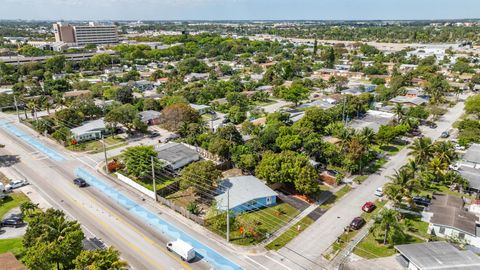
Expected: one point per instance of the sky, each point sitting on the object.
(238, 9)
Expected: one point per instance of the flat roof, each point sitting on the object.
(177, 154)
(439, 255)
(89, 126)
(471, 175)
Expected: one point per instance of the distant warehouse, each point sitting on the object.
(80, 35)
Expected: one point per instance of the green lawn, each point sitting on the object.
(444, 189)
(372, 247)
(97, 146)
(270, 221)
(416, 226)
(360, 178)
(13, 200)
(13, 245)
(291, 233)
(335, 197)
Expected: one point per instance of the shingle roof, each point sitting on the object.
(242, 189)
(448, 211)
(149, 115)
(439, 255)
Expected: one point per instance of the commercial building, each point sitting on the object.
(85, 34)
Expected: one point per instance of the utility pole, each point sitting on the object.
(228, 215)
(16, 107)
(105, 154)
(153, 178)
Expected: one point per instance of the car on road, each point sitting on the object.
(80, 182)
(15, 222)
(445, 134)
(422, 201)
(368, 207)
(357, 223)
(379, 192)
(15, 184)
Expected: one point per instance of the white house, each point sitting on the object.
(448, 218)
(90, 130)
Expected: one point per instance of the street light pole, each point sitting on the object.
(16, 107)
(153, 179)
(228, 215)
(105, 154)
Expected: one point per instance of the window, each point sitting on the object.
(252, 203)
(461, 235)
(442, 230)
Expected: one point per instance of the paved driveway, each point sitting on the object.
(306, 249)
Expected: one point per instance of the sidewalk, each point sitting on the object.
(323, 198)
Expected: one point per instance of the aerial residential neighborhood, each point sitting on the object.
(229, 135)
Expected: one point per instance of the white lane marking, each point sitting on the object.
(266, 255)
(255, 262)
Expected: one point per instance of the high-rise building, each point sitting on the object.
(85, 34)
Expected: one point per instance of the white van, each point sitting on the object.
(182, 248)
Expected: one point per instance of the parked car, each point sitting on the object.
(459, 147)
(15, 184)
(422, 201)
(357, 223)
(454, 167)
(379, 192)
(12, 222)
(182, 248)
(368, 207)
(445, 134)
(154, 135)
(80, 182)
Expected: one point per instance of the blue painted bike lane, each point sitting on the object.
(31, 141)
(209, 255)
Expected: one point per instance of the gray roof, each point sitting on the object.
(412, 100)
(149, 115)
(242, 189)
(318, 103)
(199, 106)
(448, 211)
(471, 175)
(373, 120)
(177, 155)
(473, 153)
(439, 255)
(89, 126)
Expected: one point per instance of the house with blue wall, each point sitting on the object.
(246, 193)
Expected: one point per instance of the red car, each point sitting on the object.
(368, 207)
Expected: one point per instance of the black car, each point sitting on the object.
(422, 201)
(357, 223)
(154, 135)
(12, 222)
(80, 182)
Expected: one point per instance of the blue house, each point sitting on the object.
(246, 193)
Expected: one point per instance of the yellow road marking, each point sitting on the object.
(143, 235)
(110, 229)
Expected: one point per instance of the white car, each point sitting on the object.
(15, 184)
(454, 167)
(379, 192)
(459, 147)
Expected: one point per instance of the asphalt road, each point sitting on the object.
(306, 249)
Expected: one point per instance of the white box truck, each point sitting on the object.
(182, 248)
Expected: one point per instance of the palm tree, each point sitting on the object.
(437, 167)
(388, 222)
(399, 112)
(411, 167)
(422, 150)
(368, 135)
(445, 151)
(405, 186)
(27, 208)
